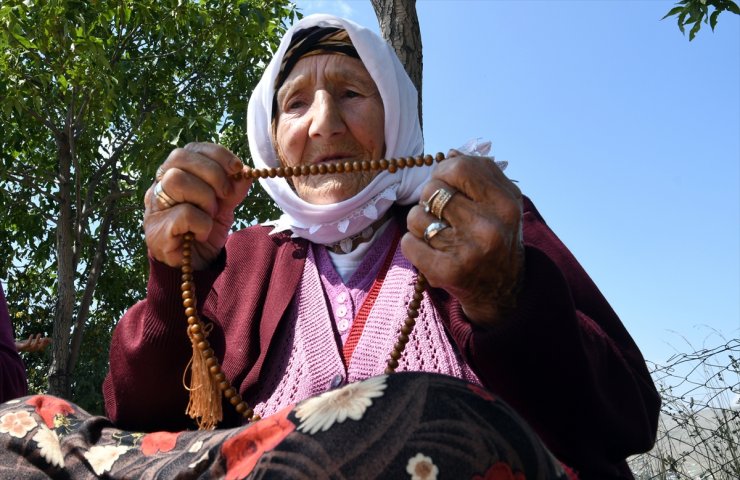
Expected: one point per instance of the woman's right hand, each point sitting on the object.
(200, 195)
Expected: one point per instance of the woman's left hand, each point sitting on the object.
(479, 258)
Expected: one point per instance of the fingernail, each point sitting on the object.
(236, 164)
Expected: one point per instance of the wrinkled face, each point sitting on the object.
(329, 109)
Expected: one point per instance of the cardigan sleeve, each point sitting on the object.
(13, 372)
(565, 362)
(149, 353)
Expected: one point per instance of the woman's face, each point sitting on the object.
(329, 109)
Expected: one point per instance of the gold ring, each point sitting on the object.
(441, 198)
(164, 200)
(160, 173)
(438, 201)
(428, 203)
(433, 229)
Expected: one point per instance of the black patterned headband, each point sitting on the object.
(314, 41)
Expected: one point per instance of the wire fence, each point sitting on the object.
(699, 429)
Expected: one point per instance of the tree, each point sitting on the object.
(93, 95)
(399, 26)
(696, 11)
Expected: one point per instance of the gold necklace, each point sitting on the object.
(207, 380)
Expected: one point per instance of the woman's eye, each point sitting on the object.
(294, 104)
(351, 94)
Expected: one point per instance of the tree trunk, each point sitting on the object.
(399, 26)
(59, 374)
(92, 281)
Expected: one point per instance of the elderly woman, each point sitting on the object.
(317, 298)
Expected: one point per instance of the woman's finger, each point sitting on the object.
(213, 164)
(163, 231)
(180, 186)
(477, 177)
(439, 266)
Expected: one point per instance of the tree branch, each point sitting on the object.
(26, 180)
(72, 142)
(45, 122)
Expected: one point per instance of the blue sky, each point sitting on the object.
(624, 134)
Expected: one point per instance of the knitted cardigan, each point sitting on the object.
(561, 358)
(310, 357)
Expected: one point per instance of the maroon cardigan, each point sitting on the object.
(563, 359)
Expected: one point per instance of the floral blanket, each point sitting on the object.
(404, 426)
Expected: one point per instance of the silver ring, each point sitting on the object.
(164, 200)
(433, 229)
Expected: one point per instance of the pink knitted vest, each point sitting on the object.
(306, 359)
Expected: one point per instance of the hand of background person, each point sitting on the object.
(200, 195)
(34, 343)
(479, 258)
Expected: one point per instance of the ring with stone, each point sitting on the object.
(433, 229)
(164, 200)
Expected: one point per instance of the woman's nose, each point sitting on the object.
(326, 118)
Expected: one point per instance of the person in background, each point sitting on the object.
(13, 382)
(315, 300)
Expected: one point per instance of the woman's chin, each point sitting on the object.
(325, 198)
(328, 193)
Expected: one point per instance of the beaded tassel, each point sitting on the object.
(204, 405)
(205, 398)
(207, 381)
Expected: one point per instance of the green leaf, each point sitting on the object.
(713, 19)
(673, 11)
(176, 139)
(26, 43)
(695, 29)
(682, 21)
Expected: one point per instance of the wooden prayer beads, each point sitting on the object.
(392, 165)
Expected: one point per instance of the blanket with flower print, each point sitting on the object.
(413, 426)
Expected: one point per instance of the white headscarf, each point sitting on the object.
(403, 137)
